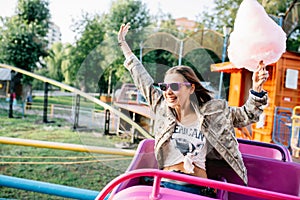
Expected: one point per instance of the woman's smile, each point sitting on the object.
(171, 97)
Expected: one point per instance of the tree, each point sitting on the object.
(23, 35)
(123, 11)
(23, 42)
(224, 12)
(96, 58)
(65, 64)
(57, 62)
(84, 56)
(276, 7)
(35, 13)
(54, 61)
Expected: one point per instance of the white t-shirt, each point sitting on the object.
(187, 145)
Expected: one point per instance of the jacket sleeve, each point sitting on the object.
(249, 112)
(143, 81)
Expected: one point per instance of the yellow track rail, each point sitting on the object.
(85, 95)
(66, 146)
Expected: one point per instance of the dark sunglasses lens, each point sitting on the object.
(163, 87)
(174, 86)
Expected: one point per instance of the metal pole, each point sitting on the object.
(76, 114)
(11, 92)
(180, 52)
(281, 18)
(141, 52)
(106, 122)
(46, 89)
(109, 82)
(10, 111)
(223, 60)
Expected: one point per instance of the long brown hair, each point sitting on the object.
(202, 95)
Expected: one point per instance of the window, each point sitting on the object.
(291, 79)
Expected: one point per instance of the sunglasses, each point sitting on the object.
(173, 86)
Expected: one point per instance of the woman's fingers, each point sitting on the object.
(123, 31)
(126, 28)
(260, 76)
(261, 66)
(258, 70)
(263, 75)
(120, 35)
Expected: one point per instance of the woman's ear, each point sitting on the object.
(192, 88)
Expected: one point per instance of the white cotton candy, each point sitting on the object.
(188, 163)
(256, 37)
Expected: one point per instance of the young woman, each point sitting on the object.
(190, 125)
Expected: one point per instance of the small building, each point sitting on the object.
(5, 78)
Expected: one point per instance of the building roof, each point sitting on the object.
(5, 74)
(185, 24)
(226, 67)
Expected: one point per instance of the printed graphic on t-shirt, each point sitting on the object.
(188, 140)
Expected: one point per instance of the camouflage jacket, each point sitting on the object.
(217, 118)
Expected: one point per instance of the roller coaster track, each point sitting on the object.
(85, 95)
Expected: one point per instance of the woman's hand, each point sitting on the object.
(122, 32)
(259, 77)
(122, 42)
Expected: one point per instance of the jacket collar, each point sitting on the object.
(211, 107)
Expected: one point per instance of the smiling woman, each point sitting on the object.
(190, 125)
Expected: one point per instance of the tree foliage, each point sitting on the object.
(95, 57)
(224, 12)
(56, 61)
(132, 11)
(35, 12)
(23, 42)
(84, 56)
(123, 11)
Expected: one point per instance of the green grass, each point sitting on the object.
(66, 101)
(76, 169)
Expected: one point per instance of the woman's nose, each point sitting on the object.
(169, 90)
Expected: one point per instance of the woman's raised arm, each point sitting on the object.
(122, 41)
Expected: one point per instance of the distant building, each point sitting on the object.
(5, 77)
(184, 24)
(53, 35)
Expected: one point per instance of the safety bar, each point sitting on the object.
(268, 145)
(159, 174)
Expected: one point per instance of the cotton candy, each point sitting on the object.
(255, 37)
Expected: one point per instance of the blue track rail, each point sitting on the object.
(47, 188)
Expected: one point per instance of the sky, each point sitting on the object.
(64, 11)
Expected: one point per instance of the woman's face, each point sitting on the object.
(180, 97)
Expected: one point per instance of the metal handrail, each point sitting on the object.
(159, 174)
